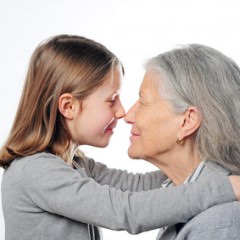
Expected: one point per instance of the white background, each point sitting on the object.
(133, 29)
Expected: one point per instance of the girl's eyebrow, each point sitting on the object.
(113, 95)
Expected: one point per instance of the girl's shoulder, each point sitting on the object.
(37, 158)
(34, 163)
(37, 169)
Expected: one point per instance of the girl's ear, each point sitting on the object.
(191, 121)
(67, 105)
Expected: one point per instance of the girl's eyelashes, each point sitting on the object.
(112, 100)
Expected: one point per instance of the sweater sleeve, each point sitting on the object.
(57, 188)
(121, 179)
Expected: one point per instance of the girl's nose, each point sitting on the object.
(120, 113)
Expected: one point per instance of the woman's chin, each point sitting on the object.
(132, 153)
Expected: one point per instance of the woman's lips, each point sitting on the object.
(134, 135)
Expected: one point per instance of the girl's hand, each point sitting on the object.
(235, 181)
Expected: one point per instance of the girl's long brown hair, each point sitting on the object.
(62, 64)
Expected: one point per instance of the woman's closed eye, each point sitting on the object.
(141, 101)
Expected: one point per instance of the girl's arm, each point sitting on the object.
(120, 179)
(55, 187)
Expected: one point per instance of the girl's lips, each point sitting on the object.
(109, 131)
(110, 127)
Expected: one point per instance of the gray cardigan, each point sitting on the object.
(221, 222)
(44, 198)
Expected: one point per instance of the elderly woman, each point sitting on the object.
(187, 120)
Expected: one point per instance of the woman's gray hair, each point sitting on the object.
(197, 75)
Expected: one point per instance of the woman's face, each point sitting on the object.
(154, 123)
(99, 112)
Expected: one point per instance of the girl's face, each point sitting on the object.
(98, 113)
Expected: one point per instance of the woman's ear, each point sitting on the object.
(191, 121)
(67, 105)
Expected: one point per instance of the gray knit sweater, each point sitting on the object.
(44, 198)
(221, 222)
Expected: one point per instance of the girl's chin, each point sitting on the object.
(103, 143)
(99, 144)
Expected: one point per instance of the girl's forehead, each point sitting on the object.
(110, 87)
(113, 79)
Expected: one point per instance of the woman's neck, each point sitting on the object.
(177, 167)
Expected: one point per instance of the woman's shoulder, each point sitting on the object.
(224, 218)
(219, 214)
(214, 166)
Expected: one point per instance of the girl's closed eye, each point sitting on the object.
(112, 100)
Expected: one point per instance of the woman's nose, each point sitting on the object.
(130, 115)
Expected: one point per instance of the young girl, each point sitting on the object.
(50, 190)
